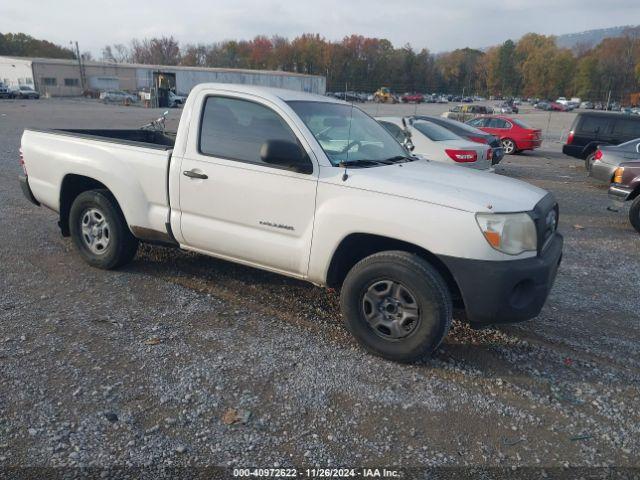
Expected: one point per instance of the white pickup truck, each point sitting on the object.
(313, 188)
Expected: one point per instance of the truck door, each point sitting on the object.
(233, 205)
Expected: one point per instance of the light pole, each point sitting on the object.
(80, 66)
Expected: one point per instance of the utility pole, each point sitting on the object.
(83, 81)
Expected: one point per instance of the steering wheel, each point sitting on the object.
(350, 145)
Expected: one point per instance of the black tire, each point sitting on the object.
(588, 162)
(634, 214)
(121, 245)
(420, 280)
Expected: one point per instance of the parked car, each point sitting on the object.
(590, 129)
(25, 91)
(507, 108)
(625, 187)
(462, 113)
(117, 96)
(412, 98)
(438, 144)
(175, 100)
(469, 133)
(558, 107)
(349, 96)
(609, 157)
(254, 174)
(587, 105)
(543, 105)
(515, 135)
(5, 92)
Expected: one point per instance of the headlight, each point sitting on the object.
(511, 233)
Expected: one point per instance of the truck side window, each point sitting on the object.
(236, 129)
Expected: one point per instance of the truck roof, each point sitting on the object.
(267, 92)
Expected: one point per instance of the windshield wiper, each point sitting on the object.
(362, 163)
(399, 158)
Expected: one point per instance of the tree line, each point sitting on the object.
(533, 66)
(23, 45)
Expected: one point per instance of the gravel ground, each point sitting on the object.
(180, 359)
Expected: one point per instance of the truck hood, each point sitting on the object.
(448, 185)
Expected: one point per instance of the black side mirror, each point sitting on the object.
(284, 153)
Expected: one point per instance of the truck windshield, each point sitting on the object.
(347, 134)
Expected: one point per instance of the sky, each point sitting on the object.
(441, 25)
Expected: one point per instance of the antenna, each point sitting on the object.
(345, 175)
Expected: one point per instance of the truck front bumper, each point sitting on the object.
(26, 189)
(506, 291)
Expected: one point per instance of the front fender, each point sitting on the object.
(441, 230)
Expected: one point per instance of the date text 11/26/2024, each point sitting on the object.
(317, 472)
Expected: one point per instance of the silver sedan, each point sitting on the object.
(609, 157)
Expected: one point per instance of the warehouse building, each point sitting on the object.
(61, 77)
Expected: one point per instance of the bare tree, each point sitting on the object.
(161, 51)
(117, 53)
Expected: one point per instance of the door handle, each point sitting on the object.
(193, 174)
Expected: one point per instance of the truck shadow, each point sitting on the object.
(515, 352)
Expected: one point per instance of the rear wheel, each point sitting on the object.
(396, 305)
(509, 146)
(99, 230)
(634, 214)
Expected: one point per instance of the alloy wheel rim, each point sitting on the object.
(96, 231)
(508, 146)
(390, 309)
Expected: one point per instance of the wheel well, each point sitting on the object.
(357, 246)
(635, 194)
(590, 148)
(72, 186)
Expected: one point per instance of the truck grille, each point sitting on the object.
(546, 215)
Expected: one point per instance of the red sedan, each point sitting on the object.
(515, 135)
(412, 98)
(559, 107)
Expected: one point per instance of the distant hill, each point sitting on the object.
(591, 38)
(23, 45)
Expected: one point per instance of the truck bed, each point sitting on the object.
(136, 137)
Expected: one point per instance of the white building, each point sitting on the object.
(61, 77)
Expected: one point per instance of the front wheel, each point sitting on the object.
(99, 230)
(634, 214)
(509, 146)
(396, 305)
